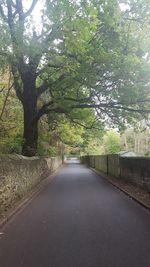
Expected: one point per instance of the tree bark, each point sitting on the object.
(30, 135)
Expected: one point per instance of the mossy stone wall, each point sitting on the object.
(18, 175)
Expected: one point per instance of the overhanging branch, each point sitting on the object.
(112, 106)
(49, 107)
(84, 126)
(44, 109)
(46, 84)
(43, 88)
(26, 14)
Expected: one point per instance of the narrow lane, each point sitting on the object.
(79, 220)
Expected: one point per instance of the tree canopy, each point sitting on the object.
(80, 55)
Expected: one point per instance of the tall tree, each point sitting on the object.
(82, 55)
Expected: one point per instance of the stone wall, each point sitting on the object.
(18, 175)
(134, 169)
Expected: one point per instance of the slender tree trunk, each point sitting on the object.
(30, 136)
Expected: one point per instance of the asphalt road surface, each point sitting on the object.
(78, 220)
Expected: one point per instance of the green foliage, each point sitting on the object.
(112, 142)
(14, 144)
(52, 151)
(11, 145)
(70, 134)
(92, 147)
(11, 121)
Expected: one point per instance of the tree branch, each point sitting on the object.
(111, 105)
(19, 10)
(26, 14)
(81, 100)
(43, 110)
(46, 84)
(140, 20)
(41, 89)
(16, 83)
(84, 126)
(2, 89)
(11, 24)
(6, 98)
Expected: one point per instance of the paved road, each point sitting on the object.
(79, 220)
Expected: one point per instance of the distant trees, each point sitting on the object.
(11, 117)
(112, 142)
(85, 54)
(137, 141)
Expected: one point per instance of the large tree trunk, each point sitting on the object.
(30, 136)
